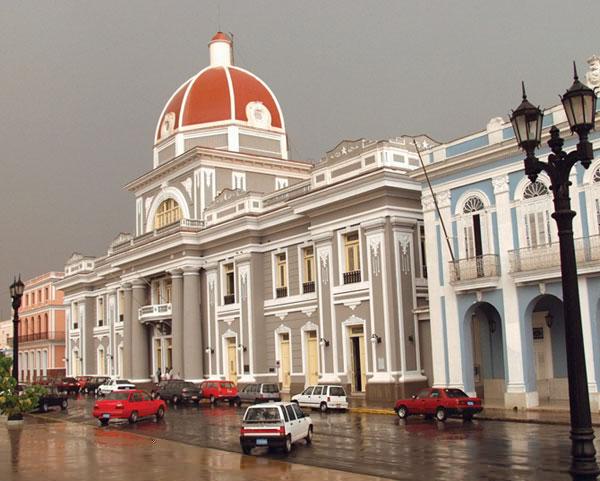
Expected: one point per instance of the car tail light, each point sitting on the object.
(328, 399)
(96, 406)
(282, 430)
(119, 406)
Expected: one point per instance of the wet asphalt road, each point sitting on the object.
(377, 445)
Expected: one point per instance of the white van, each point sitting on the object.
(323, 397)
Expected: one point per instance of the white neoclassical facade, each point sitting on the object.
(496, 310)
(249, 266)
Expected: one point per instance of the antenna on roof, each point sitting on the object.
(437, 208)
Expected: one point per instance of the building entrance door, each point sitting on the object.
(284, 353)
(231, 360)
(162, 355)
(358, 358)
(312, 358)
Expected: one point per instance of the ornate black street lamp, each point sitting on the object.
(579, 103)
(16, 293)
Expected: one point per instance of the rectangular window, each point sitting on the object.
(228, 271)
(168, 291)
(281, 275)
(100, 311)
(238, 180)
(537, 228)
(308, 270)
(75, 316)
(423, 258)
(469, 239)
(281, 183)
(156, 297)
(352, 258)
(121, 306)
(598, 214)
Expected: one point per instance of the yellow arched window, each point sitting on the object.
(167, 213)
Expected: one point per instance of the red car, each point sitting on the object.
(130, 405)
(220, 391)
(441, 403)
(68, 385)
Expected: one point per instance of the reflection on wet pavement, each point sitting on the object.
(369, 444)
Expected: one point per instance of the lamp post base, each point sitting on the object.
(583, 466)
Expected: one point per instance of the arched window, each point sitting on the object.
(472, 228)
(472, 204)
(535, 189)
(167, 213)
(537, 214)
(596, 177)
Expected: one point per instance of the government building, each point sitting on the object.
(251, 266)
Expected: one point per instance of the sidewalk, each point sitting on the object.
(556, 414)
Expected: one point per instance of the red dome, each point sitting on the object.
(219, 94)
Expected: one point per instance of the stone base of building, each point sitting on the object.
(521, 400)
(388, 393)
(56, 373)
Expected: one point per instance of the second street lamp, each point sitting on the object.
(580, 106)
(16, 293)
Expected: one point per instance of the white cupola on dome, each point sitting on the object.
(221, 107)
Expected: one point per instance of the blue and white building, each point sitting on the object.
(496, 311)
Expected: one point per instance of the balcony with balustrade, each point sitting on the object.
(475, 272)
(54, 336)
(155, 312)
(546, 257)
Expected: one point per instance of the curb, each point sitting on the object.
(480, 417)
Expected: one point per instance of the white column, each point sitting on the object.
(438, 342)
(589, 328)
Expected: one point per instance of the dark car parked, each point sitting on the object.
(176, 391)
(94, 382)
(70, 385)
(260, 392)
(53, 397)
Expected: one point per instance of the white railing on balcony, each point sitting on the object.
(475, 268)
(547, 256)
(155, 311)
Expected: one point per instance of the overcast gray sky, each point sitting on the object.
(83, 83)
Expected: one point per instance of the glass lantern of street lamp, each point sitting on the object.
(579, 103)
(527, 121)
(17, 288)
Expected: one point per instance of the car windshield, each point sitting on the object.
(454, 393)
(117, 396)
(262, 415)
(336, 391)
(270, 388)
(227, 385)
(122, 381)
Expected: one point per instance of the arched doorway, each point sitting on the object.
(484, 353)
(549, 348)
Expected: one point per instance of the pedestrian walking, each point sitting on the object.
(158, 373)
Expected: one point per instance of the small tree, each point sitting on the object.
(14, 401)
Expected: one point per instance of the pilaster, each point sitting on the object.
(140, 370)
(177, 319)
(127, 333)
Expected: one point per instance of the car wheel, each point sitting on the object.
(287, 447)
(133, 417)
(175, 399)
(402, 412)
(441, 415)
(103, 422)
(213, 400)
(323, 407)
(64, 404)
(45, 407)
(309, 435)
(468, 416)
(246, 449)
(160, 413)
(237, 402)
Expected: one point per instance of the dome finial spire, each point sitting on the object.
(220, 49)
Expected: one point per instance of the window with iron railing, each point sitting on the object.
(281, 274)
(352, 273)
(308, 284)
(228, 271)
